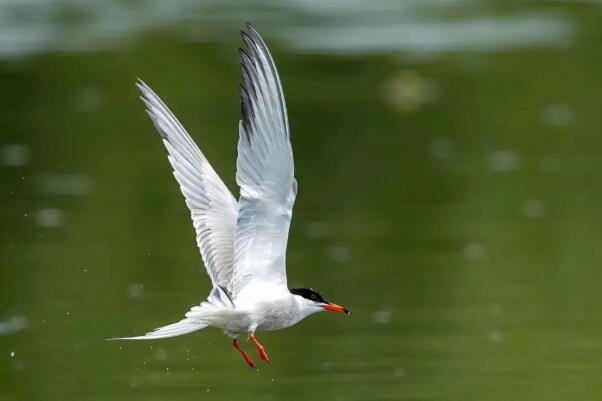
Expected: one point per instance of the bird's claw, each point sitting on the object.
(262, 354)
(264, 357)
(246, 357)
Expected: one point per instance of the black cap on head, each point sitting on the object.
(310, 294)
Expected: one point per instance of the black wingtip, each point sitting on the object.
(250, 27)
(252, 34)
(247, 39)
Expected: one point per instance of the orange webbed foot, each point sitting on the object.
(248, 360)
(262, 354)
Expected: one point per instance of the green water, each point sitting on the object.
(452, 201)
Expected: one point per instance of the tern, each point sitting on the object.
(242, 244)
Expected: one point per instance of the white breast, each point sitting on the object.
(269, 307)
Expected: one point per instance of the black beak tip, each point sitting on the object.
(348, 312)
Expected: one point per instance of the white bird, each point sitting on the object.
(242, 244)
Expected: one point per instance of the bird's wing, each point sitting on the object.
(264, 171)
(212, 207)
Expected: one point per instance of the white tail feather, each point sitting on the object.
(182, 327)
(216, 311)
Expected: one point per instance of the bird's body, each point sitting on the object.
(264, 308)
(243, 243)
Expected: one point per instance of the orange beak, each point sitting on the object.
(336, 308)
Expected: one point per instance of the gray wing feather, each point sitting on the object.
(213, 209)
(265, 170)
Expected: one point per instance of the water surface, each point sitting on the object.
(448, 157)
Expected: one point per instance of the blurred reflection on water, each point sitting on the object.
(448, 156)
(332, 26)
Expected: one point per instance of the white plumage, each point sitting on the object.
(243, 244)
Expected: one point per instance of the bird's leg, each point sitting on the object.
(260, 349)
(248, 360)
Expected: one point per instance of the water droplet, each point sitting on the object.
(160, 354)
(550, 164)
(327, 365)
(136, 290)
(13, 325)
(382, 317)
(557, 115)
(496, 310)
(441, 149)
(49, 217)
(15, 155)
(473, 250)
(86, 99)
(496, 336)
(317, 229)
(533, 208)
(504, 160)
(340, 254)
(66, 184)
(409, 91)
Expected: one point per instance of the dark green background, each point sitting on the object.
(451, 198)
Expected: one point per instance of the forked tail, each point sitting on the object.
(217, 307)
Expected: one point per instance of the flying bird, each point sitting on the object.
(242, 243)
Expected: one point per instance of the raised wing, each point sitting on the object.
(212, 207)
(264, 171)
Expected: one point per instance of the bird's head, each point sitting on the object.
(312, 301)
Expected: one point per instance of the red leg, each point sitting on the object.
(248, 360)
(260, 348)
